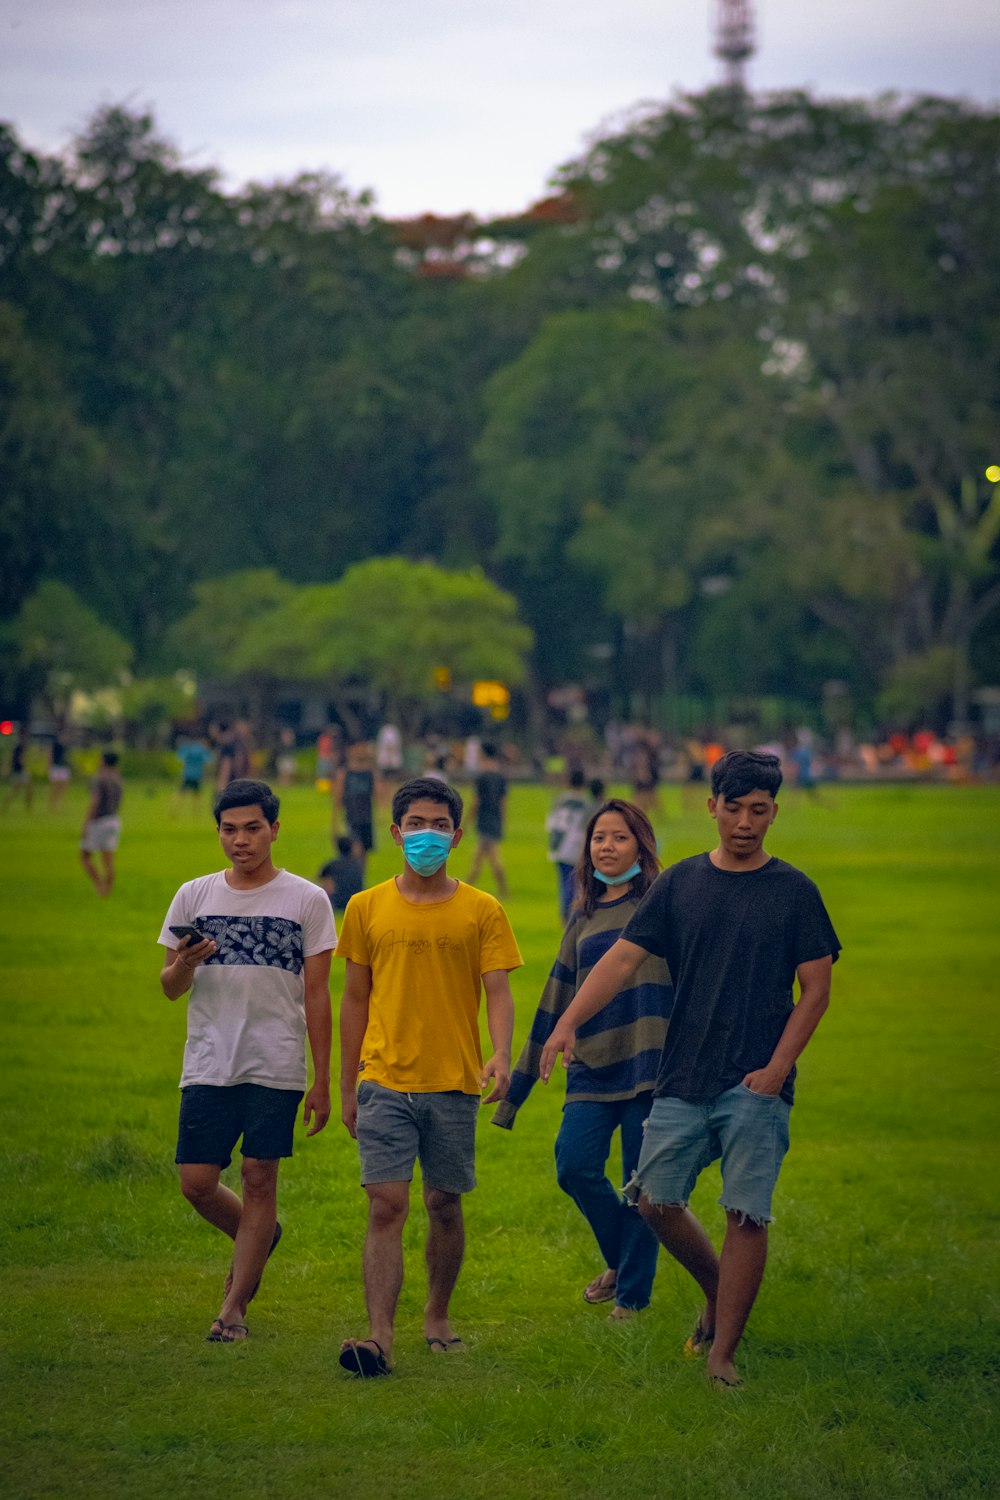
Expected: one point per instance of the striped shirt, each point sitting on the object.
(617, 1052)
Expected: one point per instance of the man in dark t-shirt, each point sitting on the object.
(342, 877)
(491, 795)
(234, 754)
(353, 791)
(737, 928)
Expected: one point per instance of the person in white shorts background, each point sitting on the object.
(102, 825)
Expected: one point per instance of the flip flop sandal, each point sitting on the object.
(604, 1293)
(447, 1346)
(363, 1362)
(700, 1342)
(234, 1328)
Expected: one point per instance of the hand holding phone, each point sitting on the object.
(192, 939)
(185, 930)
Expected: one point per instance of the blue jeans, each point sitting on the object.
(583, 1144)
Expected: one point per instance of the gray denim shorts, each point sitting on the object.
(438, 1130)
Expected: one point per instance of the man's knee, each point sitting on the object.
(388, 1204)
(259, 1179)
(198, 1182)
(445, 1208)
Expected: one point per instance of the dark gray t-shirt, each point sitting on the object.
(732, 942)
(107, 788)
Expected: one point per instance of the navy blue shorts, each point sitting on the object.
(213, 1119)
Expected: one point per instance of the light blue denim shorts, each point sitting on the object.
(395, 1130)
(747, 1132)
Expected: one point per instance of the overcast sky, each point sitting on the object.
(445, 105)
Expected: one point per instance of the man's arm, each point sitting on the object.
(353, 1025)
(500, 1024)
(319, 1028)
(177, 974)
(609, 975)
(814, 997)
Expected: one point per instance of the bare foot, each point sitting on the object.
(235, 1333)
(723, 1374)
(620, 1314)
(441, 1337)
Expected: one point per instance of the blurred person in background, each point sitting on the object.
(19, 782)
(59, 772)
(102, 825)
(566, 826)
(488, 811)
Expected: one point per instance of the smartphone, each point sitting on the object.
(189, 932)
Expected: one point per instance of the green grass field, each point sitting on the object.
(871, 1358)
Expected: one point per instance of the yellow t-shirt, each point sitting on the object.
(427, 963)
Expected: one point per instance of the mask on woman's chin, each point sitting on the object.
(619, 879)
(426, 850)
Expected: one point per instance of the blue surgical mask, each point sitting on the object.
(426, 851)
(619, 879)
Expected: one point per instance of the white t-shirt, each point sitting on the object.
(389, 748)
(566, 825)
(246, 1009)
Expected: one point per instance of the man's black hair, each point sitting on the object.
(110, 757)
(246, 793)
(490, 750)
(577, 778)
(344, 846)
(744, 771)
(426, 789)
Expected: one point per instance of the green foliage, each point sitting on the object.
(918, 687)
(150, 705)
(390, 623)
(728, 394)
(854, 244)
(209, 639)
(61, 641)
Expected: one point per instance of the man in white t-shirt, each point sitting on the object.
(252, 944)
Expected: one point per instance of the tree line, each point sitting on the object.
(711, 422)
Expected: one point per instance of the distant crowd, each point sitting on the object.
(359, 773)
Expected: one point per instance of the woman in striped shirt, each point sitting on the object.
(610, 1077)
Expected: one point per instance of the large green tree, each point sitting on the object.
(391, 624)
(854, 246)
(62, 646)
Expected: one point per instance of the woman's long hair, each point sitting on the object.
(588, 889)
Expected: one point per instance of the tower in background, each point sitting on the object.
(734, 40)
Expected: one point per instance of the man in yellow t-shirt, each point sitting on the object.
(420, 949)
